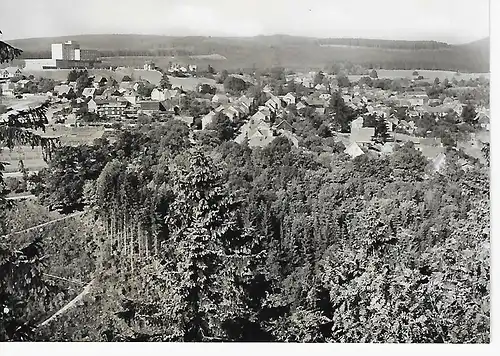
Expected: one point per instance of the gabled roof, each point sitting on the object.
(88, 91)
(12, 70)
(151, 106)
(300, 105)
(62, 89)
(258, 116)
(220, 97)
(111, 103)
(430, 152)
(284, 125)
(354, 150)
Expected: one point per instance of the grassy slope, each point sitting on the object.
(287, 51)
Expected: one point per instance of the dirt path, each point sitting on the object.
(70, 305)
(20, 197)
(45, 224)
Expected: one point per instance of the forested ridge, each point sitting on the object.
(289, 51)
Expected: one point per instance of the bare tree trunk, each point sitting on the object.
(146, 241)
(131, 248)
(139, 241)
(124, 232)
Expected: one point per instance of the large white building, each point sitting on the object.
(64, 56)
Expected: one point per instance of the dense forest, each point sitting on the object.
(390, 44)
(213, 241)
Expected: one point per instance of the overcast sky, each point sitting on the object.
(452, 21)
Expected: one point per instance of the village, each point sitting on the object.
(88, 106)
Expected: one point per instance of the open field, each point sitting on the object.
(32, 158)
(427, 74)
(152, 76)
(25, 102)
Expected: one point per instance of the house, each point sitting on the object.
(149, 65)
(320, 87)
(242, 107)
(315, 102)
(23, 83)
(164, 94)
(111, 108)
(483, 119)
(135, 86)
(159, 94)
(220, 99)
(354, 150)
(207, 119)
(229, 110)
(439, 162)
(92, 106)
(125, 85)
(110, 93)
(88, 92)
(387, 148)
(245, 100)
(289, 98)
(362, 135)
(10, 72)
(7, 88)
(188, 120)
(259, 115)
(62, 89)
(257, 132)
(430, 152)
(301, 106)
(151, 107)
(72, 85)
(357, 123)
(320, 111)
(100, 80)
(284, 125)
(273, 103)
(131, 96)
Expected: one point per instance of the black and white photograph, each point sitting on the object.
(245, 171)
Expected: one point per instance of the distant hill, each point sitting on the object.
(280, 50)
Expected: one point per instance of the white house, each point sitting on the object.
(88, 92)
(10, 72)
(289, 99)
(92, 106)
(354, 150)
(357, 124)
(207, 119)
(220, 99)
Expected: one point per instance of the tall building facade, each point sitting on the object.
(66, 51)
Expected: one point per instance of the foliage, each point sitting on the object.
(234, 84)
